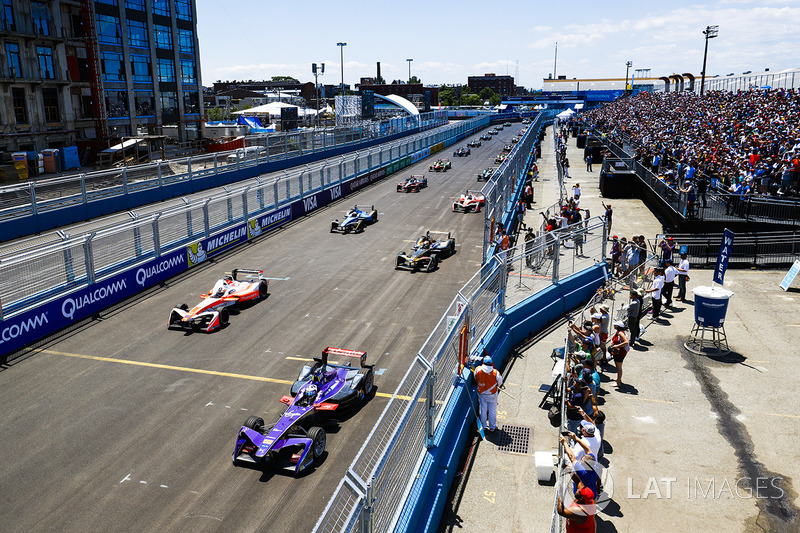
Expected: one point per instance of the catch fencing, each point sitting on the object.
(376, 487)
(502, 190)
(37, 197)
(201, 229)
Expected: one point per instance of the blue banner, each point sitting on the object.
(200, 251)
(27, 327)
(725, 250)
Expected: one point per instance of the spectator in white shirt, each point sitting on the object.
(683, 277)
(670, 272)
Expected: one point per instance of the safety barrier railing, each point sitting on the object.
(46, 194)
(30, 278)
(506, 182)
(748, 249)
(615, 295)
(376, 486)
(719, 204)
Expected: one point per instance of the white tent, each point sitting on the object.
(566, 113)
(274, 108)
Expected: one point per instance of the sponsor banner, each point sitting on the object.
(362, 181)
(198, 252)
(438, 147)
(27, 327)
(271, 220)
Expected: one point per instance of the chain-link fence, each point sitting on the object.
(30, 278)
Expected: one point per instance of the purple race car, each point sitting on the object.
(293, 442)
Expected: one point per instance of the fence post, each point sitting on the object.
(206, 221)
(35, 207)
(501, 296)
(244, 203)
(605, 240)
(369, 501)
(431, 407)
(156, 236)
(88, 258)
(556, 251)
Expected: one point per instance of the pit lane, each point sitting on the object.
(124, 425)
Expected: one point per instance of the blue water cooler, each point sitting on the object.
(708, 332)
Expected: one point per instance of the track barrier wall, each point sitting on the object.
(48, 289)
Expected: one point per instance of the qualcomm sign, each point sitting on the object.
(27, 327)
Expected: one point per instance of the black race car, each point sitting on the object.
(474, 143)
(486, 137)
(461, 152)
(427, 252)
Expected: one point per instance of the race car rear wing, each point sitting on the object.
(418, 176)
(476, 193)
(365, 207)
(330, 350)
(248, 273)
(438, 233)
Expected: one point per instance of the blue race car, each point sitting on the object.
(294, 442)
(356, 219)
(427, 252)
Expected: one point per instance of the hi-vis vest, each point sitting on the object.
(504, 242)
(487, 383)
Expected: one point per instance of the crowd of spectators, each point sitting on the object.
(744, 143)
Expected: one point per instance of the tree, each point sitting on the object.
(414, 79)
(215, 114)
(285, 78)
(447, 96)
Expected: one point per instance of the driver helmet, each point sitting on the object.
(311, 392)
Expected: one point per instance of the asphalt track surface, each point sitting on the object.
(123, 425)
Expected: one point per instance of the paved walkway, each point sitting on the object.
(694, 443)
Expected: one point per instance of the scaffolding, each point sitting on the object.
(348, 110)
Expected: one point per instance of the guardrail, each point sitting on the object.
(48, 288)
(748, 250)
(51, 202)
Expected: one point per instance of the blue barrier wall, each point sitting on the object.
(425, 505)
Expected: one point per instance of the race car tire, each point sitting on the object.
(333, 226)
(397, 262)
(318, 440)
(367, 381)
(224, 317)
(263, 289)
(360, 226)
(182, 307)
(374, 216)
(451, 247)
(254, 422)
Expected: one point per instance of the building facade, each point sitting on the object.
(502, 85)
(87, 73)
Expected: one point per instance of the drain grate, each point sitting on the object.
(514, 439)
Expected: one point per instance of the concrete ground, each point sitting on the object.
(693, 443)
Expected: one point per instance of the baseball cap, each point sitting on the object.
(598, 316)
(670, 239)
(588, 427)
(587, 495)
(619, 324)
(615, 237)
(487, 361)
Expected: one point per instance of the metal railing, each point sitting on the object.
(748, 249)
(372, 494)
(35, 197)
(35, 276)
(719, 205)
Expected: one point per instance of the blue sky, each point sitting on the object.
(252, 39)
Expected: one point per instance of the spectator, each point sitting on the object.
(589, 162)
(580, 513)
(670, 272)
(655, 292)
(683, 277)
(530, 239)
(607, 215)
(576, 191)
(616, 255)
(667, 249)
(565, 166)
(489, 381)
(634, 315)
(619, 349)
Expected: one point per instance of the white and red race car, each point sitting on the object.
(212, 312)
(470, 201)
